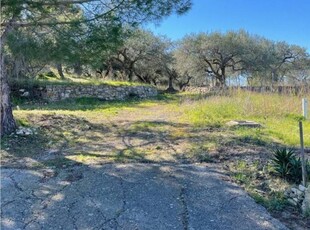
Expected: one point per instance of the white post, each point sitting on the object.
(305, 108)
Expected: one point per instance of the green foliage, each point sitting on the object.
(22, 122)
(287, 165)
(256, 182)
(273, 202)
(281, 160)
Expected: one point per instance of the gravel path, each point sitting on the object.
(128, 196)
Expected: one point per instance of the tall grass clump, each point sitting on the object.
(279, 114)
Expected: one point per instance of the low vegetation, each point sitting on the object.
(68, 81)
(186, 128)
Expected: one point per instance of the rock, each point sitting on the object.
(302, 188)
(296, 200)
(56, 93)
(305, 207)
(297, 192)
(292, 202)
(25, 94)
(250, 124)
(22, 131)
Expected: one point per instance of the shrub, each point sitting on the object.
(287, 165)
(281, 161)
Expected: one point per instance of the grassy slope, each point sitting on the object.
(279, 114)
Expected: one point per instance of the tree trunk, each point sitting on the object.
(8, 124)
(60, 71)
(170, 85)
(223, 77)
(78, 69)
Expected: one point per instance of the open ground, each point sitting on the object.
(170, 131)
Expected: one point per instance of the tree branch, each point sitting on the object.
(38, 23)
(47, 3)
(211, 67)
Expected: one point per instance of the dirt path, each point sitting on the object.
(152, 133)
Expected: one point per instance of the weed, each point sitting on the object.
(272, 202)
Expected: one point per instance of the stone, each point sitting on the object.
(25, 94)
(239, 123)
(56, 93)
(302, 188)
(296, 200)
(292, 202)
(294, 190)
(22, 131)
(305, 207)
(299, 193)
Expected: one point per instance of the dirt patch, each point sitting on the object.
(148, 134)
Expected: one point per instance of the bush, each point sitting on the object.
(287, 165)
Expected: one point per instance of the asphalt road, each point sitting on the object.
(128, 196)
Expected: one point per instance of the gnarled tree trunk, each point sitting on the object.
(60, 71)
(8, 124)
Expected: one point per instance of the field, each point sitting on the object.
(170, 128)
(174, 128)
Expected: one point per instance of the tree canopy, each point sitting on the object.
(94, 26)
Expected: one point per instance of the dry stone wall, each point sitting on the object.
(299, 196)
(104, 92)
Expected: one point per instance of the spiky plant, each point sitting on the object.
(281, 161)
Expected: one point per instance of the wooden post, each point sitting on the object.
(303, 165)
(305, 108)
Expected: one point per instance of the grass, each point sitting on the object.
(184, 116)
(179, 128)
(258, 181)
(279, 114)
(68, 81)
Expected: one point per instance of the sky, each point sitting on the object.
(278, 20)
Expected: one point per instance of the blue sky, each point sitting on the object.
(279, 20)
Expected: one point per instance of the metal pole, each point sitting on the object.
(303, 165)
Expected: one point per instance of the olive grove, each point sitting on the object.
(49, 23)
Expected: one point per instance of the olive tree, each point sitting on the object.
(18, 14)
(218, 55)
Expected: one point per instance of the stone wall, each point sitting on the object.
(104, 92)
(299, 196)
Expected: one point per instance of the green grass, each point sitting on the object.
(279, 114)
(26, 83)
(258, 182)
(178, 126)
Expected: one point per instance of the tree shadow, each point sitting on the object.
(127, 196)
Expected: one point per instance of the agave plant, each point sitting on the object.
(295, 173)
(288, 166)
(282, 161)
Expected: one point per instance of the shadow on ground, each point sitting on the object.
(65, 140)
(128, 196)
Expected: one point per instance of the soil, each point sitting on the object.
(151, 134)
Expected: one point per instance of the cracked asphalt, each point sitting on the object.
(128, 196)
